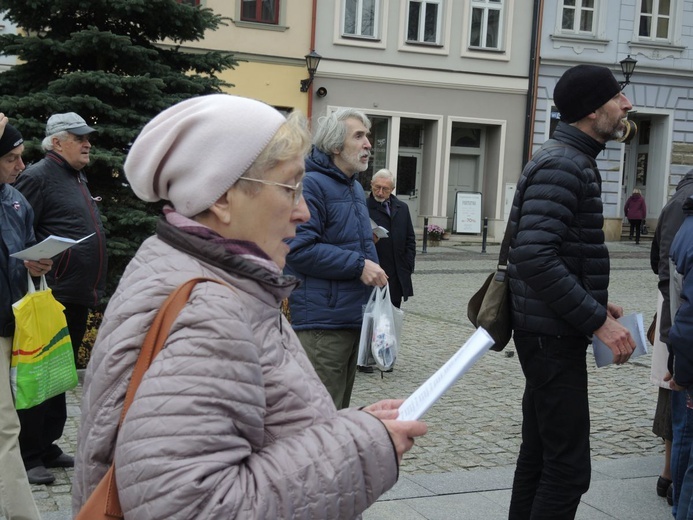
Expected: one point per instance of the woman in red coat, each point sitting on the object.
(636, 210)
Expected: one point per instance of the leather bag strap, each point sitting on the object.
(153, 344)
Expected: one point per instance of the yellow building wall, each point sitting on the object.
(271, 58)
(275, 84)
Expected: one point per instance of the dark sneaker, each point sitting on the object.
(40, 475)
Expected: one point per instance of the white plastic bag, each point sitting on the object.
(386, 332)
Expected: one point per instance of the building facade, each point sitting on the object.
(269, 39)
(659, 35)
(445, 84)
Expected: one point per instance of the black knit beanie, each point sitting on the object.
(582, 90)
(11, 139)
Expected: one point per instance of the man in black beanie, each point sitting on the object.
(16, 234)
(559, 277)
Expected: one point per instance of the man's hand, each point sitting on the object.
(373, 274)
(38, 267)
(615, 311)
(617, 338)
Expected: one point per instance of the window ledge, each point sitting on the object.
(261, 26)
(657, 50)
(579, 42)
(359, 38)
(423, 44)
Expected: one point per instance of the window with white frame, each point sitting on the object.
(424, 21)
(361, 18)
(486, 24)
(654, 20)
(579, 16)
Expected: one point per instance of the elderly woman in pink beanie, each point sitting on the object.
(230, 420)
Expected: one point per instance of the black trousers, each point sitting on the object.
(553, 468)
(635, 225)
(43, 425)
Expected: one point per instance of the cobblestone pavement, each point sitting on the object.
(476, 424)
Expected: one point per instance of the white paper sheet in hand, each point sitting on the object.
(435, 386)
(633, 322)
(48, 248)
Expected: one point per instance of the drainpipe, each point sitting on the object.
(309, 112)
(534, 63)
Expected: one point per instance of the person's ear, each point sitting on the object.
(221, 209)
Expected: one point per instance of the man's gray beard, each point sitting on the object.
(611, 134)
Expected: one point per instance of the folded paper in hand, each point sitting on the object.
(435, 386)
(633, 322)
(379, 231)
(47, 248)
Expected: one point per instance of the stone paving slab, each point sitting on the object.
(476, 424)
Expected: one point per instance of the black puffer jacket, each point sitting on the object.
(558, 263)
(63, 206)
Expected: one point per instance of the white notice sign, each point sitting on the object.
(467, 212)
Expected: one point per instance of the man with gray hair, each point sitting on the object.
(397, 251)
(333, 253)
(56, 188)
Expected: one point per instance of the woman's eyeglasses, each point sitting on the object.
(296, 191)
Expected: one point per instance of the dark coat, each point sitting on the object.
(635, 207)
(681, 330)
(63, 206)
(329, 251)
(398, 251)
(668, 224)
(558, 263)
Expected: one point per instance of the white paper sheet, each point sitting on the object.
(47, 248)
(435, 386)
(633, 322)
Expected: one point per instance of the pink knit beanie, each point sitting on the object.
(193, 152)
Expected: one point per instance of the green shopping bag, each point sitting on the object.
(43, 364)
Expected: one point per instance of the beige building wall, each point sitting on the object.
(271, 57)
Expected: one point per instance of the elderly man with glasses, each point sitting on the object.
(398, 250)
(56, 188)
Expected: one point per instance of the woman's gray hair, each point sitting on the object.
(47, 143)
(384, 173)
(331, 132)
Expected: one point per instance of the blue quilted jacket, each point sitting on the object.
(329, 251)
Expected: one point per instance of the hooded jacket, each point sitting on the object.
(63, 206)
(558, 262)
(230, 420)
(329, 251)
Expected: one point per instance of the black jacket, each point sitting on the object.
(397, 252)
(63, 206)
(558, 263)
